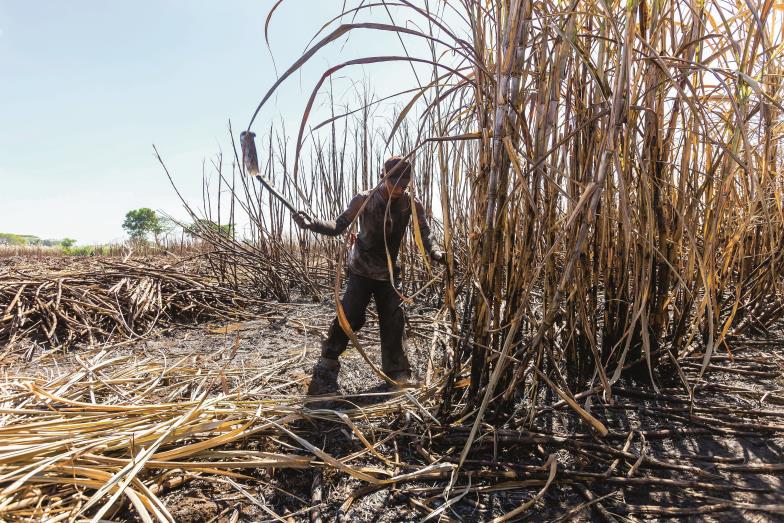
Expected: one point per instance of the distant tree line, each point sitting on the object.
(27, 239)
(140, 224)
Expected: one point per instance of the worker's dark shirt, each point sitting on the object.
(382, 226)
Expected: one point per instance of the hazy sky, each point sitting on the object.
(88, 86)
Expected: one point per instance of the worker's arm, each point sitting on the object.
(331, 227)
(426, 235)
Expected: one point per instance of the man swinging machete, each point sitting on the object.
(384, 213)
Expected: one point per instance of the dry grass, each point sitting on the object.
(27, 251)
(94, 301)
(111, 436)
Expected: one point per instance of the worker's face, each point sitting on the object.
(397, 188)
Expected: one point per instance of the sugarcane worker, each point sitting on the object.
(384, 213)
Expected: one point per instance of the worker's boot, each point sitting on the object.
(402, 379)
(325, 377)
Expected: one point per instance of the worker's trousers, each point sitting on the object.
(391, 320)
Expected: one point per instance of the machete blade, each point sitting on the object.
(249, 157)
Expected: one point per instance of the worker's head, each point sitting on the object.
(397, 176)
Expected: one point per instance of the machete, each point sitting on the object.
(251, 162)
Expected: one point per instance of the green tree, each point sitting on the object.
(67, 243)
(139, 223)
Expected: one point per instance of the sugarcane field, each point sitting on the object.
(392, 260)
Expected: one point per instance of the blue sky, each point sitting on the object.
(88, 86)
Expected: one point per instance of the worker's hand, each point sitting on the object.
(438, 257)
(302, 219)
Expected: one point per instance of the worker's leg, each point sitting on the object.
(355, 300)
(391, 320)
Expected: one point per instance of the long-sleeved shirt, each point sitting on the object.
(368, 257)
